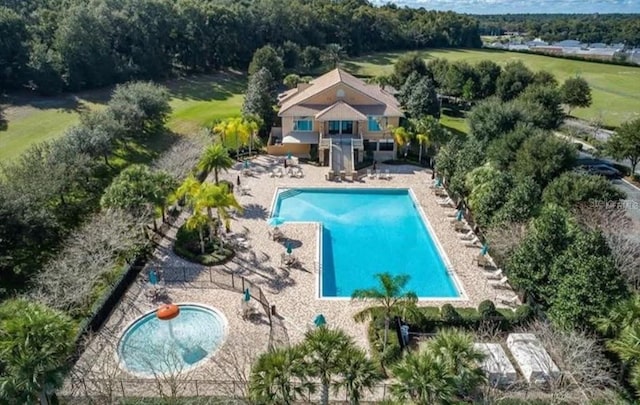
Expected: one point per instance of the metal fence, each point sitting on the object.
(88, 390)
(206, 277)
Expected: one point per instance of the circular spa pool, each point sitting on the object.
(153, 346)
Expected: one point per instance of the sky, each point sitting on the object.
(523, 6)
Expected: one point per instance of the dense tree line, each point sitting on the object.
(590, 28)
(52, 46)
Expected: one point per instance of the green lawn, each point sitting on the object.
(196, 101)
(615, 89)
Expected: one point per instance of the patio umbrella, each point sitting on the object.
(275, 221)
(459, 215)
(319, 321)
(245, 164)
(484, 250)
(289, 155)
(247, 295)
(289, 249)
(153, 277)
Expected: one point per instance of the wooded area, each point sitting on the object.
(51, 46)
(589, 28)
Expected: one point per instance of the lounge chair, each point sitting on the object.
(440, 192)
(502, 283)
(276, 234)
(494, 275)
(249, 310)
(509, 301)
(370, 174)
(447, 202)
(387, 174)
(484, 261)
(460, 226)
(299, 173)
(247, 172)
(272, 174)
(377, 174)
(475, 242)
(290, 172)
(288, 260)
(244, 190)
(343, 175)
(329, 175)
(468, 236)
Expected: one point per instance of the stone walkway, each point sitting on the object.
(292, 291)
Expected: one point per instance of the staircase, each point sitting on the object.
(337, 158)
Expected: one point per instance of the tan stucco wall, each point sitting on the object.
(296, 149)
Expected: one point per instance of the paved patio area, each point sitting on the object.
(292, 291)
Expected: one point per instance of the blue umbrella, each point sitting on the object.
(153, 277)
(246, 164)
(438, 182)
(275, 221)
(459, 215)
(320, 321)
(247, 295)
(484, 250)
(289, 155)
(289, 249)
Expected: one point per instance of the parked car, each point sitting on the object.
(601, 170)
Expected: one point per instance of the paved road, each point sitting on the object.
(600, 133)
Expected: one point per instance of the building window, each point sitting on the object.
(334, 127)
(371, 146)
(302, 124)
(347, 127)
(386, 145)
(374, 125)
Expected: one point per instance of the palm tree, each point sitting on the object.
(422, 133)
(253, 124)
(390, 295)
(324, 350)
(358, 373)
(460, 358)
(402, 137)
(215, 157)
(278, 377)
(423, 378)
(188, 191)
(35, 342)
(218, 198)
(198, 221)
(622, 315)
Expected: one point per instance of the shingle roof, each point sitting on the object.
(340, 76)
(340, 111)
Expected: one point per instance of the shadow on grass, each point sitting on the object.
(143, 151)
(219, 86)
(68, 102)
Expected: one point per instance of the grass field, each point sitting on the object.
(196, 101)
(615, 89)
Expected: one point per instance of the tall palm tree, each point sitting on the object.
(621, 316)
(402, 137)
(278, 377)
(424, 379)
(422, 133)
(188, 191)
(324, 349)
(358, 373)
(218, 198)
(461, 359)
(253, 124)
(216, 158)
(198, 221)
(389, 297)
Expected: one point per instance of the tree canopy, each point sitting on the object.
(625, 143)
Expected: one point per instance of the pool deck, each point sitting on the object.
(292, 291)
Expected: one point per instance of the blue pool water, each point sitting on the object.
(367, 232)
(151, 346)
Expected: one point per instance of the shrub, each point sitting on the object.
(487, 309)
(187, 246)
(523, 313)
(448, 314)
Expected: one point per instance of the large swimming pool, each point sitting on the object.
(369, 231)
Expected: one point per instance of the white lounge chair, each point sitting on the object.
(244, 190)
(494, 275)
(377, 174)
(299, 173)
(272, 174)
(370, 174)
(509, 301)
(447, 202)
(502, 283)
(475, 242)
(469, 235)
(387, 174)
(278, 172)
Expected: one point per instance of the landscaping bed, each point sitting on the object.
(188, 247)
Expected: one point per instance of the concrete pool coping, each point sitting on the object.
(120, 360)
(449, 268)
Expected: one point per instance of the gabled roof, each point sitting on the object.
(340, 111)
(337, 76)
